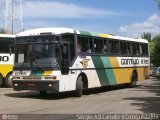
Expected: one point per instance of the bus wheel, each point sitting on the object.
(79, 87)
(133, 80)
(1, 80)
(43, 93)
(8, 81)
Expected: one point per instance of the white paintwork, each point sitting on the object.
(91, 74)
(10, 57)
(38, 31)
(141, 61)
(7, 36)
(53, 30)
(127, 39)
(21, 73)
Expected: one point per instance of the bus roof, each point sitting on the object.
(7, 36)
(52, 30)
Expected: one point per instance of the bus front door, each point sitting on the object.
(65, 58)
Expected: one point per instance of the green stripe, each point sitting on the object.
(109, 72)
(85, 33)
(94, 34)
(89, 33)
(100, 72)
(36, 73)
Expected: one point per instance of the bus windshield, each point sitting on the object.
(42, 53)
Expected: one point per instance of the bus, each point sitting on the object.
(65, 59)
(6, 59)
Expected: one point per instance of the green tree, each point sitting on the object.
(2, 31)
(151, 46)
(158, 3)
(155, 51)
(146, 36)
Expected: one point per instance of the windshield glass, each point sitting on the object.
(43, 52)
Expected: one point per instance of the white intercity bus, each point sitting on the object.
(6, 58)
(64, 59)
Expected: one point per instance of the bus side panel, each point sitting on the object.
(84, 65)
(68, 82)
(143, 73)
(5, 69)
(6, 63)
(122, 75)
(104, 70)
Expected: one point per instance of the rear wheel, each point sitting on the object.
(8, 81)
(133, 80)
(79, 87)
(1, 80)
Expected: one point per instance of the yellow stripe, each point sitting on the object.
(5, 69)
(121, 75)
(47, 73)
(104, 35)
(114, 61)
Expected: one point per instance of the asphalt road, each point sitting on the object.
(145, 98)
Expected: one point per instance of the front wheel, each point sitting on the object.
(8, 81)
(1, 80)
(79, 87)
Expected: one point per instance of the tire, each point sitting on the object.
(79, 87)
(43, 93)
(1, 81)
(8, 81)
(133, 80)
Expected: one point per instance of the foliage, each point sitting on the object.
(155, 51)
(158, 3)
(2, 31)
(146, 36)
(151, 47)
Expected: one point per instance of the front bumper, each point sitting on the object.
(39, 85)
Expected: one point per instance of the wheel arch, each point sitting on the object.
(2, 80)
(10, 72)
(84, 80)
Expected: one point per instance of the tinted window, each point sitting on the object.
(98, 45)
(143, 49)
(70, 39)
(85, 44)
(5, 44)
(113, 47)
(125, 48)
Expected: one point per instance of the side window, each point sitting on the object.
(143, 49)
(138, 48)
(104, 49)
(116, 47)
(113, 47)
(124, 48)
(85, 44)
(98, 45)
(70, 39)
(133, 48)
(110, 47)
